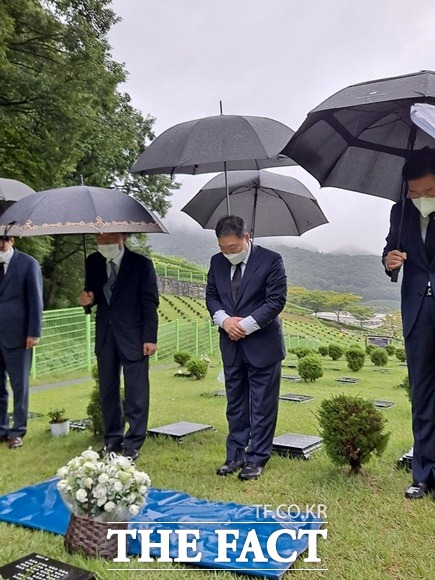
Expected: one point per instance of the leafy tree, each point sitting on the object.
(361, 312)
(340, 301)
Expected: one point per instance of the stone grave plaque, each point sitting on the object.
(179, 430)
(382, 370)
(296, 444)
(30, 415)
(295, 398)
(405, 462)
(289, 366)
(219, 393)
(383, 404)
(37, 567)
(349, 380)
(291, 377)
(80, 424)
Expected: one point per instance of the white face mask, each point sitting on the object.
(235, 259)
(5, 255)
(109, 251)
(425, 205)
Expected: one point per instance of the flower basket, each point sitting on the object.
(89, 536)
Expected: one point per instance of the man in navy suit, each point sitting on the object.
(123, 286)
(417, 254)
(21, 309)
(246, 291)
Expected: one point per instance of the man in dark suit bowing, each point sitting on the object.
(123, 286)
(246, 291)
(417, 254)
(20, 329)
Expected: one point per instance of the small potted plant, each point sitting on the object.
(59, 424)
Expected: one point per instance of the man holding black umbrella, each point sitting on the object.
(417, 254)
(123, 286)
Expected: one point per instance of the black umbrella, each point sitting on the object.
(79, 210)
(270, 204)
(216, 143)
(11, 191)
(359, 138)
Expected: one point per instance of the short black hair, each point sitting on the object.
(420, 162)
(231, 225)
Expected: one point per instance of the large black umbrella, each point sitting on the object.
(271, 204)
(216, 143)
(79, 209)
(11, 191)
(359, 138)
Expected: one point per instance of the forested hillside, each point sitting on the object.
(361, 275)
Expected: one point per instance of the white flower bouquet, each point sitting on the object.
(107, 489)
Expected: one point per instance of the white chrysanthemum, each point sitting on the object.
(117, 486)
(109, 506)
(89, 454)
(103, 478)
(88, 482)
(134, 509)
(81, 495)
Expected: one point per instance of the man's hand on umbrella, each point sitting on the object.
(394, 259)
(86, 298)
(233, 329)
(31, 341)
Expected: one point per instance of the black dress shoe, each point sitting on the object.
(110, 449)
(4, 438)
(230, 467)
(132, 454)
(251, 471)
(417, 490)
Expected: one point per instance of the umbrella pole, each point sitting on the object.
(87, 309)
(227, 193)
(254, 213)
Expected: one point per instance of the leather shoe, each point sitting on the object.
(132, 454)
(4, 438)
(230, 467)
(251, 471)
(110, 449)
(417, 490)
(15, 442)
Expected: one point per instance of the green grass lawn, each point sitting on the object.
(373, 531)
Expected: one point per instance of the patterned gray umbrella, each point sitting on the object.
(79, 210)
(11, 191)
(271, 204)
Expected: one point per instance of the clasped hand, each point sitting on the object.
(233, 329)
(394, 259)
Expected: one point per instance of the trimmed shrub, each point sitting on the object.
(391, 349)
(335, 351)
(401, 354)
(352, 430)
(94, 407)
(181, 357)
(355, 358)
(379, 357)
(323, 350)
(370, 348)
(301, 351)
(406, 386)
(197, 368)
(310, 368)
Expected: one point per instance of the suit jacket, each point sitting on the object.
(132, 312)
(262, 295)
(21, 302)
(417, 271)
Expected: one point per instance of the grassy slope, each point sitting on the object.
(373, 532)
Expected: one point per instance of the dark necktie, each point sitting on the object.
(2, 270)
(108, 286)
(235, 282)
(429, 242)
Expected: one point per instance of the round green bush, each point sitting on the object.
(355, 358)
(379, 357)
(310, 368)
(197, 368)
(181, 357)
(301, 351)
(391, 349)
(335, 351)
(401, 354)
(323, 350)
(370, 348)
(352, 430)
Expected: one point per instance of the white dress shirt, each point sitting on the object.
(117, 262)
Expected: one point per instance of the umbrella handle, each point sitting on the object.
(394, 275)
(87, 309)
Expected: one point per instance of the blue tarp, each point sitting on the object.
(41, 507)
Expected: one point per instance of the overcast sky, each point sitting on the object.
(270, 58)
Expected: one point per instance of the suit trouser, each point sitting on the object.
(252, 409)
(136, 389)
(420, 355)
(16, 362)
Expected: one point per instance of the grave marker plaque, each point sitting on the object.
(179, 430)
(38, 567)
(295, 398)
(296, 444)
